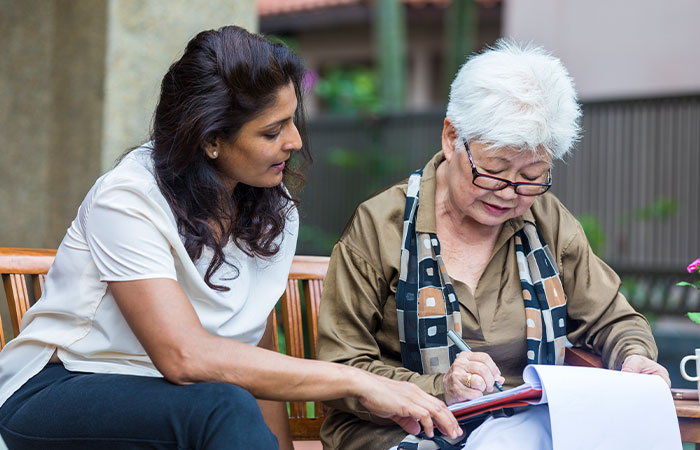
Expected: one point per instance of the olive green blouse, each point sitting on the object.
(358, 322)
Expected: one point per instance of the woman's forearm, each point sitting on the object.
(166, 324)
(264, 373)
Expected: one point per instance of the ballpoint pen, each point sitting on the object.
(463, 346)
(684, 394)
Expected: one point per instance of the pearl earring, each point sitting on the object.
(215, 154)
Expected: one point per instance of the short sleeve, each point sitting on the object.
(126, 232)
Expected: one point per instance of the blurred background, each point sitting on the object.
(79, 80)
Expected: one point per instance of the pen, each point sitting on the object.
(684, 394)
(463, 346)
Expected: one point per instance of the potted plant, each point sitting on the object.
(695, 317)
(693, 267)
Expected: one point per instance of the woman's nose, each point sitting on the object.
(294, 139)
(508, 193)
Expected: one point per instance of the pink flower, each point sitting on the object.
(695, 265)
(309, 80)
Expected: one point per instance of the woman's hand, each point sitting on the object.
(641, 364)
(471, 374)
(407, 405)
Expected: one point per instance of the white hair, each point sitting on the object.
(515, 95)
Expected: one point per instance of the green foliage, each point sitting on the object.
(651, 318)
(375, 163)
(289, 41)
(695, 285)
(349, 91)
(281, 342)
(321, 241)
(694, 316)
(594, 233)
(632, 290)
(662, 208)
(346, 159)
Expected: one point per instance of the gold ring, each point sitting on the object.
(469, 380)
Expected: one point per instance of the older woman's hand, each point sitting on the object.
(641, 364)
(471, 374)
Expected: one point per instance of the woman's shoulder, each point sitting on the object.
(381, 209)
(374, 231)
(556, 223)
(130, 185)
(549, 208)
(135, 168)
(133, 177)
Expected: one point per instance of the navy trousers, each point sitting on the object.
(58, 409)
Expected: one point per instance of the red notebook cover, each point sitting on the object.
(521, 396)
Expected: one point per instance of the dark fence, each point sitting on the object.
(637, 170)
(634, 180)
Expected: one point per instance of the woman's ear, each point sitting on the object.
(212, 149)
(449, 137)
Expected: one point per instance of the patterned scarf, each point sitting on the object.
(427, 306)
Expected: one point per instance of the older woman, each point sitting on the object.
(474, 243)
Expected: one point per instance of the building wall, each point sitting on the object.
(78, 85)
(343, 36)
(615, 49)
(135, 69)
(26, 101)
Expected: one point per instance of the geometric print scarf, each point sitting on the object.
(545, 301)
(427, 305)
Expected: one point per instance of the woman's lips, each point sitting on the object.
(280, 166)
(494, 209)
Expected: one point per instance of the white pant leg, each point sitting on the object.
(528, 430)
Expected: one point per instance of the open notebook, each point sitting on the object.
(591, 408)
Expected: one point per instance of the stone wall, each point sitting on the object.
(78, 85)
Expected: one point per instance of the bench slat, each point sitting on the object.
(17, 297)
(312, 296)
(38, 285)
(2, 335)
(294, 340)
(291, 316)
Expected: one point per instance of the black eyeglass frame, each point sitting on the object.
(515, 184)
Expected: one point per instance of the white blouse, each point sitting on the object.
(125, 230)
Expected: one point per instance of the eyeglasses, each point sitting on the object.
(496, 184)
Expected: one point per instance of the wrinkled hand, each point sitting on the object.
(641, 364)
(484, 373)
(406, 404)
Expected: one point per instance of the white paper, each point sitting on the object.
(598, 408)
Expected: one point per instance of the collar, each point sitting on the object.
(425, 220)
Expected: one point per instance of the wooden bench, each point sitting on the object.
(24, 270)
(23, 273)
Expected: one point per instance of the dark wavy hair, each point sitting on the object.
(225, 78)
